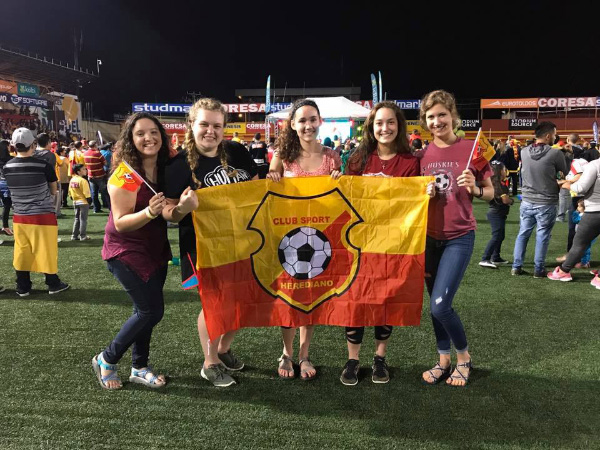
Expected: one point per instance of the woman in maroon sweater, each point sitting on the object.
(136, 250)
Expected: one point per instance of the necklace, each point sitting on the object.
(383, 162)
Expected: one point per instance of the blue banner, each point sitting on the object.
(268, 99)
(380, 88)
(374, 87)
(161, 108)
(595, 128)
(25, 101)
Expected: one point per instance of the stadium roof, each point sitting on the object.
(18, 65)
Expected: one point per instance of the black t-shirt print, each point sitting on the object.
(209, 172)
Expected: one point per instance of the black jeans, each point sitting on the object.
(65, 193)
(7, 203)
(24, 280)
(498, 223)
(587, 231)
(148, 309)
(514, 180)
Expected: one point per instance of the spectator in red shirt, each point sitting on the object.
(95, 162)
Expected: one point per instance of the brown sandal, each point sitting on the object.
(304, 372)
(286, 363)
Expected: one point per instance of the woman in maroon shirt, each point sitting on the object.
(450, 230)
(383, 152)
(136, 250)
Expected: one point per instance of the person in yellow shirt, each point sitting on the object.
(79, 190)
(236, 137)
(75, 156)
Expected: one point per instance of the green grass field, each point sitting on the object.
(535, 346)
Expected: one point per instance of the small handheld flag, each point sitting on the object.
(125, 177)
(482, 152)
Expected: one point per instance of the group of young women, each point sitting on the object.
(137, 251)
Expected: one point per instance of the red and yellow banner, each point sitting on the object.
(312, 251)
(125, 177)
(36, 243)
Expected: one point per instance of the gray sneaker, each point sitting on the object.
(230, 361)
(215, 373)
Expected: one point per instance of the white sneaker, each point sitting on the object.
(489, 264)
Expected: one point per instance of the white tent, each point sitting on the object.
(330, 108)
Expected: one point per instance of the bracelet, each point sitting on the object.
(149, 215)
(480, 192)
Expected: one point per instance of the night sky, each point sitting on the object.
(157, 51)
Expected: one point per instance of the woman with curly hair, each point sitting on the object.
(450, 230)
(136, 249)
(206, 160)
(301, 155)
(383, 152)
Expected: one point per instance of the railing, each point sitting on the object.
(18, 51)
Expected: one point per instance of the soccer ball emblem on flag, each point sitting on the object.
(304, 253)
(306, 256)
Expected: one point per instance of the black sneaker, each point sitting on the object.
(349, 375)
(59, 288)
(23, 292)
(517, 271)
(540, 274)
(499, 261)
(231, 362)
(381, 374)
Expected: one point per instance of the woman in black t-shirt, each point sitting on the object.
(206, 160)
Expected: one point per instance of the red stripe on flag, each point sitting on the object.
(388, 290)
(37, 219)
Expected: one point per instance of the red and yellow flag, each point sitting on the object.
(312, 251)
(125, 177)
(484, 152)
(36, 243)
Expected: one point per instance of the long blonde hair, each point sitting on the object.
(189, 143)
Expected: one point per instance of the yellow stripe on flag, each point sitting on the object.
(392, 212)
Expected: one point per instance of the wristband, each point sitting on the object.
(480, 192)
(149, 215)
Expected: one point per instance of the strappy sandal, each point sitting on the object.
(146, 377)
(445, 373)
(286, 363)
(98, 364)
(303, 372)
(467, 366)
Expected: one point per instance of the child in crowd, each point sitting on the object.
(497, 213)
(79, 190)
(587, 256)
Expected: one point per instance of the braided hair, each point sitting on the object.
(189, 142)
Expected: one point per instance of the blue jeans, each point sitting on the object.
(445, 264)
(498, 223)
(98, 188)
(148, 309)
(542, 217)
